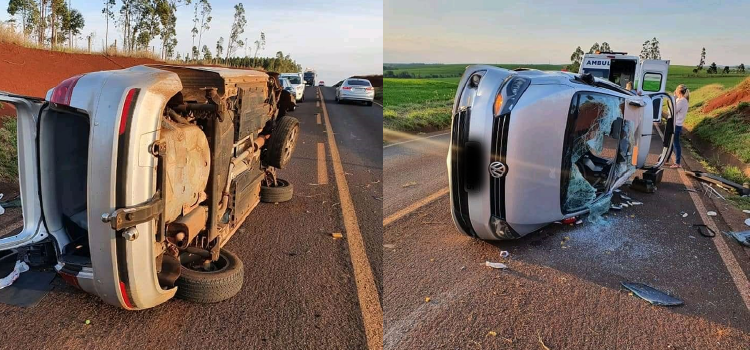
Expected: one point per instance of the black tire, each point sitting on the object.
(215, 286)
(369, 103)
(277, 194)
(282, 142)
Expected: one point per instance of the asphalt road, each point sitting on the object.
(562, 288)
(300, 291)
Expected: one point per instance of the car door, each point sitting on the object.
(28, 110)
(651, 81)
(641, 109)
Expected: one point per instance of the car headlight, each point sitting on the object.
(514, 88)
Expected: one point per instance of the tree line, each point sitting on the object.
(141, 22)
(47, 22)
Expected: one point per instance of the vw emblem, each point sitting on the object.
(497, 169)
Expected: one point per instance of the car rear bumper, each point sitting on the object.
(349, 96)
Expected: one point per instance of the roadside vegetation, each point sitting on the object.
(9, 154)
(415, 105)
(721, 116)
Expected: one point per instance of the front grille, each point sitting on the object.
(499, 150)
(459, 135)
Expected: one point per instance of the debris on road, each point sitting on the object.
(409, 184)
(88, 322)
(20, 268)
(495, 265)
(711, 213)
(337, 235)
(742, 237)
(427, 299)
(704, 230)
(653, 296)
(389, 246)
(747, 222)
(709, 191)
(504, 254)
(492, 333)
(636, 203)
(683, 214)
(541, 342)
(720, 181)
(746, 211)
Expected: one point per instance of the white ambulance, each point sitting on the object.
(648, 76)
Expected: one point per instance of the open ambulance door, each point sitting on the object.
(652, 80)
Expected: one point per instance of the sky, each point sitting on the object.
(337, 38)
(493, 31)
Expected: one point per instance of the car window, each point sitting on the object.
(284, 82)
(358, 82)
(593, 151)
(294, 79)
(309, 75)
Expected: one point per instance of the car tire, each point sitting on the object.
(282, 142)
(214, 286)
(369, 103)
(283, 192)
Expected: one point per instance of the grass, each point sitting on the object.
(10, 36)
(9, 154)
(417, 104)
(421, 70)
(727, 127)
(427, 116)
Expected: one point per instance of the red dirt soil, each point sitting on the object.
(32, 72)
(740, 93)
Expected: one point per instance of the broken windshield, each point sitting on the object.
(593, 151)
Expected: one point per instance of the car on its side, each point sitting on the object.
(162, 166)
(353, 89)
(321, 83)
(297, 83)
(529, 148)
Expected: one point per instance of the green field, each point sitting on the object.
(420, 104)
(417, 104)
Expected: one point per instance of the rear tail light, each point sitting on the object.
(346, 88)
(126, 109)
(64, 91)
(369, 88)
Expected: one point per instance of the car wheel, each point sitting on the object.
(369, 103)
(282, 142)
(282, 192)
(221, 281)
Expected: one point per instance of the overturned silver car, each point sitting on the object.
(529, 148)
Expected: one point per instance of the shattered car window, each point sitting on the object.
(596, 151)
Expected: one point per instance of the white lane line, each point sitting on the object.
(369, 303)
(735, 271)
(415, 140)
(322, 169)
(414, 206)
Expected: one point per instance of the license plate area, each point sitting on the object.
(472, 166)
